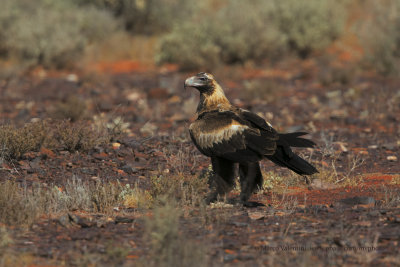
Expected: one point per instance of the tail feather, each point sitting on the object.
(295, 163)
(293, 140)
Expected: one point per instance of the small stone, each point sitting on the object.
(363, 223)
(72, 77)
(128, 169)
(389, 146)
(391, 158)
(358, 200)
(256, 215)
(120, 219)
(373, 147)
(240, 224)
(116, 145)
(64, 221)
(229, 257)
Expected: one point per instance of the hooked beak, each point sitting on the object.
(193, 82)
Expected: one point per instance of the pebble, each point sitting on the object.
(116, 145)
(391, 158)
(358, 200)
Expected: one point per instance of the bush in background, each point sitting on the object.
(268, 30)
(380, 36)
(146, 16)
(50, 33)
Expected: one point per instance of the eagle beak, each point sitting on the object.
(190, 82)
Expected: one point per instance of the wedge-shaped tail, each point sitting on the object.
(285, 157)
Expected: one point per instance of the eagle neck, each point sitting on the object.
(215, 100)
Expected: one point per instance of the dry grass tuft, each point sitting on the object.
(18, 204)
(168, 246)
(187, 190)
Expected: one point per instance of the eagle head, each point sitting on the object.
(204, 82)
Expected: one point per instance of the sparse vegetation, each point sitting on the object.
(188, 190)
(269, 30)
(19, 205)
(168, 245)
(14, 142)
(111, 178)
(380, 36)
(72, 109)
(147, 17)
(50, 33)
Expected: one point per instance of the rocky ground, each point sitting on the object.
(351, 215)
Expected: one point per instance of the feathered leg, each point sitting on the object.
(250, 179)
(223, 178)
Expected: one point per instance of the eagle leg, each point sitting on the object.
(223, 179)
(250, 179)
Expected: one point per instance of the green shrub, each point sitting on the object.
(268, 30)
(146, 16)
(50, 33)
(380, 36)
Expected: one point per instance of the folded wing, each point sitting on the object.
(229, 135)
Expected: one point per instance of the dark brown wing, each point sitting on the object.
(229, 135)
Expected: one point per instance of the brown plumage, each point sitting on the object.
(230, 136)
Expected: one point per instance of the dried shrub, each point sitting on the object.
(18, 204)
(14, 142)
(105, 196)
(188, 190)
(168, 246)
(78, 136)
(269, 30)
(135, 197)
(72, 109)
(51, 33)
(110, 125)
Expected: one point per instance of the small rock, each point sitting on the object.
(391, 158)
(72, 77)
(373, 147)
(81, 221)
(389, 146)
(374, 213)
(358, 200)
(363, 223)
(240, 224)
(128, 169)
(116, 145)
(229, 257)
(319, 184)
(120, 219)
(256, 215)
(65, 221)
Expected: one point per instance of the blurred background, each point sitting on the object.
(360, 35)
